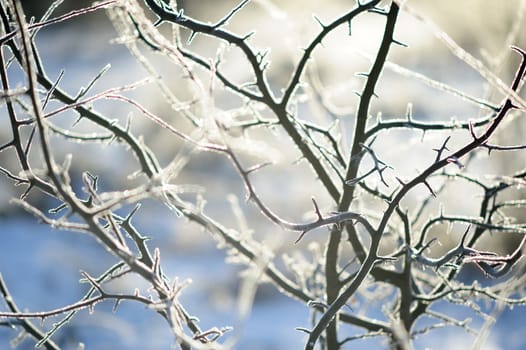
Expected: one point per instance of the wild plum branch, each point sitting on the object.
(478, 141)
(370, 212)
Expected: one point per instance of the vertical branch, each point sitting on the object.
(281, 108)
(333, 284)
(35, 101)
(17, 142)
(362, 113)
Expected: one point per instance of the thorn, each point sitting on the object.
(191, 37)
(519, 50)
(400, 181)
(354, 181)
(300, 237)
(428, 244)
(261, 55)
(429, 188)
(314, 303)
(521, 71)
(465, 235)
(379, 116)
(116, 305)
(378, 10)
(441, 149)
(248, 35)
(409, 112)
(75, 123)
(67, 163)
(57, 209)
(319, 21)
(456, 161)
(471, 129)
(317, 209)
(514, 106)
(303, 329)
(394, 41)
(24, 195)
(128, 217)
(156, 268)
(250, 197)
(257, 167)
(180, 14)
(380, 171)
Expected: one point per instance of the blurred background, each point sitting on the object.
(42, 267)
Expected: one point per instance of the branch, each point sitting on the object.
(26, 324)
(326, 29)
(336, 218)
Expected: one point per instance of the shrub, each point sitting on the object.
(372, 216)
